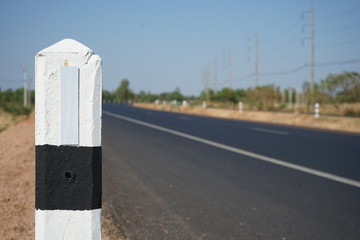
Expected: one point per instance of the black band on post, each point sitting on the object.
(68, 178)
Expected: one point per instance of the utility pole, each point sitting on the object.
(206, 83)
(24, 68)
(215, 74)
(312, 52)
(312, 55)
(230, 67)
(256, 60)
(29, 90)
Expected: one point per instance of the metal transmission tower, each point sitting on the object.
(312, 52)
(256, 60)
(230, 67)
(24, 68)
(206, 82)
(215, 74)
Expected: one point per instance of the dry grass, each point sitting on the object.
(8, 120)
(111, 230)
(17, 183)
(345, 124)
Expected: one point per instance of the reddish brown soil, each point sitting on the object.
(17, 185)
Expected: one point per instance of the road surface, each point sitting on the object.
(177, 176)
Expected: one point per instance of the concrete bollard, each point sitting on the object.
(317, 110)
(241, 107)
(68, 88)
(204, 105)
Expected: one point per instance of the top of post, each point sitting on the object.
(66, 45)
(51, 83)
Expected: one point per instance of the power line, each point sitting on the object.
(341, 44)
(283, 33)
(244, 78)
(294, 70)
(254, 42)
(284, 44)
(337, 63)
(340, 29)
(297, 69)
(11, 80)
(290, 53)
(239, 79)
(339, 13)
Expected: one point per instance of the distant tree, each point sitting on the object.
(343, 87)
(176, 95)
(336, 88)
(146, 97)
(11, 96)
(263, 97)
(141, 97)
(240, 95)
(123, 92)
(226, 94)
(319, 95)
(208, 95)
(107, 96)
(165, 96)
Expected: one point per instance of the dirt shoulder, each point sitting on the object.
(343, 124)
(17, 181)
(8, 120)
(17, 185)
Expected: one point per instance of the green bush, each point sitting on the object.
(16, 109)
(282, 106)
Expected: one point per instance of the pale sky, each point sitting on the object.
(161, 45)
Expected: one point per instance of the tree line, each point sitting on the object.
(334, 89)
(12, 101)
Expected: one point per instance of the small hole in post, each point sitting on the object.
(68, 174)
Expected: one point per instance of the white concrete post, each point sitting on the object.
(68, 142)
(317, 110)
(241, 107)
(204, 105)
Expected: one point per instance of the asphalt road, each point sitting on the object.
(162, 185)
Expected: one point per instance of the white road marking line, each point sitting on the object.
(185, 118)
(270, 131)
(243, 152)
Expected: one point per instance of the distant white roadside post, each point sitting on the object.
(241, 107)
(68, 84)
(317, 110)
(204, 105)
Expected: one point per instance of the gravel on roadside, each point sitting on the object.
(17, 186)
